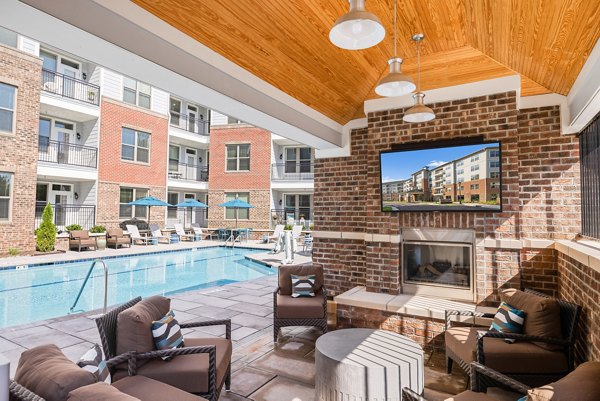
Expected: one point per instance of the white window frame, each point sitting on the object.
(172, 208)
(135, 146)
(10, 196)
(137, 93)
(14, 110)
(135, 196)
(237, 194)
(237, 157)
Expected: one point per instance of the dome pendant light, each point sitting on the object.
(357, 29)
(395, 83)
(419, 113)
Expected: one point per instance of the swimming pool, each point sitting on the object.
(43, 292)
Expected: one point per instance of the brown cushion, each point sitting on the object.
(470, 396)
(46, 371)
(114, 232)
(147, 389)
(520, 357)
(80, 234)
(188, 372)
(285, 276)
(300, 308)
(134, 325)
(99, 392)
(542, 315)
(84, 242)
(582, 385)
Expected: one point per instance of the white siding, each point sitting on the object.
(112, 85)
(217, 118)
(86, 192)
(95, 76)
(90, 133)
(29, 45)
(159, 101)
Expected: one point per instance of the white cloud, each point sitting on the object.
(435, 163)
(388, 179)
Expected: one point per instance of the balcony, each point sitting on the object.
(69, 87)
(65, 215)
(188, 172)
(292, 171)
(280, 216)
(67, 153)
(189, 123)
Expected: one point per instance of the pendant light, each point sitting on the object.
(395, 83)
(419, 113)
(357, 29)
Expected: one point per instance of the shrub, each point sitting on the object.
(311, 226)
(74, 227)
(288, 227)
(46, 234)
(13, 251)
(98, 229)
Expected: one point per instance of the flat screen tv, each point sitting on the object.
(462, 176)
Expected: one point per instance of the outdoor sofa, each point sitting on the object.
(81, 239)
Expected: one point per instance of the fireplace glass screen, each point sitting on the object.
(447, 264)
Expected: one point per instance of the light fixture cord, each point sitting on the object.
(418, 66)
(395, 42)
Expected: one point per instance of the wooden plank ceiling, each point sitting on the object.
(286, 43)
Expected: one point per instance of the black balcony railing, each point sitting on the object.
(301, 215)
(65, 215)
(292, 171)
(72, 88)
(190, 123)
(67, 153)
(188, 172)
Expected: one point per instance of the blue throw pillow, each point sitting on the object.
(94, 362)
(303, 286)
(167, 333)
(508, 319)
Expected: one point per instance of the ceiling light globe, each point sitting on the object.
(358, 29)
(395, 83)
(419, 113)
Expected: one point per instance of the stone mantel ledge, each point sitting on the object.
(405, 304)
(586, 252)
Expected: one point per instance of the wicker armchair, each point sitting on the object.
(288, 311)
(482, 377)
(107, 327)
(81, 239)
(115, 237)
(465, 344)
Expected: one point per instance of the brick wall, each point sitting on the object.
(257, 181)
(108, 203)
(18, 151)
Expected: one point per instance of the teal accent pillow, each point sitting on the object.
(167, 333)
(508, 319)
(94, 362)
(303, 286)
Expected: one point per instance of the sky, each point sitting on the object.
(400, 165)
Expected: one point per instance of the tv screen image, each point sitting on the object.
(441, 176)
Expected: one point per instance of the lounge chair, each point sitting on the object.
(134, 233)
(201, 367)
(156, 233)
(81, 239)
(276, 233)
(198, 232)
(116, 237)
(182, 235)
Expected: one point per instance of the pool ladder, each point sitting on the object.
(87, 277)
(232, 239)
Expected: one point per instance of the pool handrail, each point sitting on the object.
(87, 277)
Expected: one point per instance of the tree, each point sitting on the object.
(46, 234)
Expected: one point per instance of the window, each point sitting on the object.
(475, 167)
(238, 157)
(173, 158)
(44, 129)
(242, 214)
(233, 120)
(461, 179)
(494, 153)
(298, 160)
(474, 177)
(460, 171)
(494, 184)
(175, 111)
(48, 61)
(41, 193)
(7, 37)
(495, 174)
(474, 158)
(7, 107)
(474, 186)
(129, 195)
(173, 199)
(460, 164)
(137, 93)
(135, 145)
(6, 182)
(494, 164)
(589, 145)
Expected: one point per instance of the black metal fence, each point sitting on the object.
(292, 171)
(72, 88)
(589, 142)
(67, 153)
(65, 215)
(189, 123)
(188, 172)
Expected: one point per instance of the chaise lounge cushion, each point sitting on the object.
(289, 307)
(520, 357)
(542, 315)
(285, 277)
(146, 389)
(99, 392)
(582, 385)
(134, 325)
(46, 371)
(187, 372)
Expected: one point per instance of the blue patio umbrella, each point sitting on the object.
(148, 201)
(191, 203)
(236, 204)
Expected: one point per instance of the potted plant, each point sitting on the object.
(73, 227)
(100, 239)
(91, 96)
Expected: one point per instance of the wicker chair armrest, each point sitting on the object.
(277, 290)
(119, 359)
(483, 377)
(523, 337)
(455, 312)
(16, 392)
(205, 323)
(324, 291)
(409, 395)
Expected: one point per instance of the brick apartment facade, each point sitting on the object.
(18, 149)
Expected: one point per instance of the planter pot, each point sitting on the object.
(101, 242)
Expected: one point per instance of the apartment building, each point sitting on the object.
(474, 178)
(101, 140)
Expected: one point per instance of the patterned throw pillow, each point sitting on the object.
(303, 286)
(508, 320)
(94, 362)
(167, 333)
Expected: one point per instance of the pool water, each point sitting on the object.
(48, 291)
